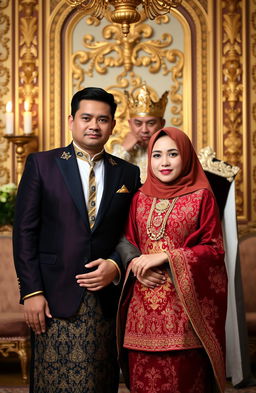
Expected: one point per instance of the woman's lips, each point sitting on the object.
(166, 171)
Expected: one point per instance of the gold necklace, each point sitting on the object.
(163, 206)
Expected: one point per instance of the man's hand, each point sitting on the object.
(105, 273)
(35, 309)
(130, 141)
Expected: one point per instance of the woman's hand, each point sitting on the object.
(152, 278)
(147, 261)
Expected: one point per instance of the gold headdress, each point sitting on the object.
(141, 104)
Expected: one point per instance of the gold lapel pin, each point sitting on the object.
(65, 155)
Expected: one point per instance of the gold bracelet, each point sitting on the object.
(118, 269)
(32, 294)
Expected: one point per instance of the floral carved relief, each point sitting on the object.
(233, 90)
(28, 57)
(4, 86)
(141, 50)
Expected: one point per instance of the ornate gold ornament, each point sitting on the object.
(140, 102)
(28, 70)
(125, 11)
(136, 50)
(65, 155)
(207, 158)
(233, 91)
(5, 86)
(19, 345)
(20, 142)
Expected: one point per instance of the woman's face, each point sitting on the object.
(166, 161)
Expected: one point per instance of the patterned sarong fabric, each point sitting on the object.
(77, 355)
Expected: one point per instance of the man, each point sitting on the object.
(146, 117)
(72, 204)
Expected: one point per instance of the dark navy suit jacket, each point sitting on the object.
(52, 240)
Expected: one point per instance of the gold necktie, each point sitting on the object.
(92, 196)
(91, 208)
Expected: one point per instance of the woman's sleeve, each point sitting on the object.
(128, 246)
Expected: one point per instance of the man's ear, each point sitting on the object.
(70, 121)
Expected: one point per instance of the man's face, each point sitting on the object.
(92, 125)
(144, 127)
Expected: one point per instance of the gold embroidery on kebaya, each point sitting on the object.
(155, 297)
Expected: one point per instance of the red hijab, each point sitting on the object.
(192, 176)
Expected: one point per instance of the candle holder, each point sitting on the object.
(20, 141)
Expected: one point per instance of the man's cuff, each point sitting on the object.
(116, 281)
(32, 294)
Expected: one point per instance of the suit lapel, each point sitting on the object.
(111, 177)
(68, 166)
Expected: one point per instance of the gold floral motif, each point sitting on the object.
(233, 90)
(218, 167)
(135, 50)
(155, 297)
(65, 155)
(128, 52)
(28, 46)
(4, 87)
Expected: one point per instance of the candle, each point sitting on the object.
(9, 119)
(27, 119)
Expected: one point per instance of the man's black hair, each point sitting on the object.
(93, 93)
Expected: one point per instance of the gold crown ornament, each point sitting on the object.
(140, 103)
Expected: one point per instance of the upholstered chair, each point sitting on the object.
(14, 333)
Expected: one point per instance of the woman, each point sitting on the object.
(171, 320)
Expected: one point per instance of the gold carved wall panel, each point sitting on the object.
(233, 94)
(252, 129)
(5, 87)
